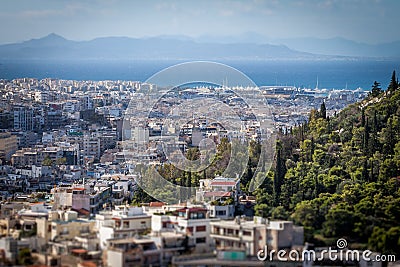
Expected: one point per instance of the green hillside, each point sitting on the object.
(340, 176)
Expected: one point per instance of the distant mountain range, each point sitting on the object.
(250, 46)
(343, 47)
(54, 46)
(332, 46)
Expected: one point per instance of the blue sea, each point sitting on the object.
(331, 74)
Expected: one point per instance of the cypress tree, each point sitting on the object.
(323, 110)
(312, 148)
(328, 120)
(393, 83)
(181, 190)
(365, 170)
(366, 138)
(372, 176)
(389, 138)
(278, 175)
(189, 184)
(375, 124)
(249, 172)
(373, 138)
(362, 118)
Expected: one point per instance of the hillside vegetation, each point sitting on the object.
(340, 176)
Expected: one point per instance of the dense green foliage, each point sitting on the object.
(342, 174)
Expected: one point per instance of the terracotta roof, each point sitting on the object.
(214, 183)
(191, 209)
(88, 264)
(36, 203)
(78, 188)
(217, 194)
(79, 251)
(156, 204)
(82, 211)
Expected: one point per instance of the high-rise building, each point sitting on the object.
(91, 146)
(8, 145)
(23, 119)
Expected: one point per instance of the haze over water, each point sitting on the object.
(335, 74)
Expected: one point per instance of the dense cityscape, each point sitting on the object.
(69, 197)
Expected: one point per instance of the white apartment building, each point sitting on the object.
(122, 222)
(194, 222)
(256, 234)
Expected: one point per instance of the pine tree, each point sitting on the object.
(376, 89)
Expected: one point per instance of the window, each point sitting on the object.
(221, 212)
(126, 224)
(189, 230)
(247, 233)
(197, 215)
(201, 228)
(200, 240)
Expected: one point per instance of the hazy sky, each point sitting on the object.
(371, 21)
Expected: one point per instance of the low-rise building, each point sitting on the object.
(132, 252)
(122, 222)
(218, 188)
(254, 235)
(194, 222)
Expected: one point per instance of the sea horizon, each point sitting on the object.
(329, 74)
